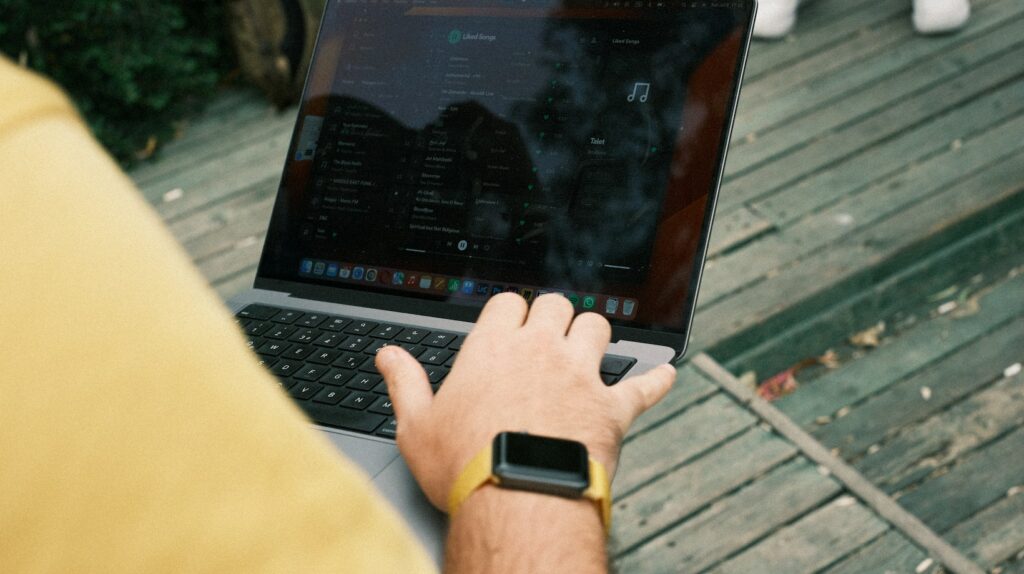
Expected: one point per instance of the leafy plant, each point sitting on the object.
(133, 67)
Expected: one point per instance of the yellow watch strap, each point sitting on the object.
(478, 472)
(600, 491)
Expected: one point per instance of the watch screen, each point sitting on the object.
(546, 453)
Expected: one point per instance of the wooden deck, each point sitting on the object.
(874, 176)
(714, 479)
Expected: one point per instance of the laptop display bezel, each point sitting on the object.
(677, 340)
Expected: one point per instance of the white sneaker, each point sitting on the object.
(775, 18)
(937, 16)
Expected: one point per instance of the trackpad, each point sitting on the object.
(372, 456)
(399, 487)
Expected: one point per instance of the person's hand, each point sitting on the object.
(521, 369)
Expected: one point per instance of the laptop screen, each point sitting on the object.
(452, 150)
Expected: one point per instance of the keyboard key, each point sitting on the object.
(370, 367)
(382, 406)
(311, 320)
(355, 343)
(385, 332)
(441, 340)
(381, 388)
(287, 317)
(615, 365)
(360, 328)
(456, 345)
(435, 357)
(435, 374)
(349, 360)
(254, 342)
(304, 391)
(272, 348)
(286, 368)
(364, 381)
(323, 357)
(329, 339)
(357, 400)
(330, 396)
(375, 346)
(298, 352)
(390, 428)
(304, 336)
(311, 372)
(609, 380)
(412, 335)
(261, 312)
(349, 419)
(258, 328)
(280, 332)
(267, 362)
(286, 383)
(450, 362)
(414, 350)
(335, 324)
(338, 377)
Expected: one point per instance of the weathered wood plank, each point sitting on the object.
(239, 224)
(854, 482)
(230, 286)
(922, 448)
(216, 218)
(980, 479)
(950, 379)
(732, 523)
(258, 162)
(884, 32)
(243, 254)
(735, 228)
(690, 386)
(841, 144)
(903, 356)
(814, 542)
(672, 444)
(801, 330)
(673, 497)
(209, 137)
(994, 534)
(890, 553)
(803, 113)
(823, 25)
(848, 177)
(849, 215)
(858, 265)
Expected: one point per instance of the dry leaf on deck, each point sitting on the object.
(868, 337)
(830, 360)
(777, 386)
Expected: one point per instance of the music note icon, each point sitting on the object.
(646, 90)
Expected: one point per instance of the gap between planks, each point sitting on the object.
(885, 506)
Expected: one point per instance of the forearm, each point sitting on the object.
(502, 531)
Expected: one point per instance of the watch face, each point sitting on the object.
(544, 464)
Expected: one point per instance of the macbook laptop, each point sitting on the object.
(449, 150)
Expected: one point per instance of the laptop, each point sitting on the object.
(446, 151)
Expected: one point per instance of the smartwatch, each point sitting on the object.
(536, 463)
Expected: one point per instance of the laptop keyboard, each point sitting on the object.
(326, 362)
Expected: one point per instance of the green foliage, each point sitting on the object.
(133, 67)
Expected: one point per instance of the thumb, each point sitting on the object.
(642, 392)
(407, 384)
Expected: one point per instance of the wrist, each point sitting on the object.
(517, 527)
